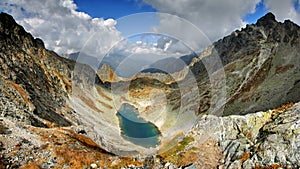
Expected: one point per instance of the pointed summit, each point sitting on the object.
(7, 23)
(11, 30)
(268, 19)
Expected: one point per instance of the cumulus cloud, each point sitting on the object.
(214, 18)
(66, 30)
(62, 28)
(126, 48)
(284, 10)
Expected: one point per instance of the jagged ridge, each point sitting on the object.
(36, 81)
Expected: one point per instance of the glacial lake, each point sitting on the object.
(136, 129)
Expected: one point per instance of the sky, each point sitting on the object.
(98, 26)
(112, 8)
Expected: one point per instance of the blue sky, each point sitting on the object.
(260, 11)
(119, 8)
(112, 8)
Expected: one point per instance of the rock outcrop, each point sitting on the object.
(262, 139)
(35, 82)
(260, 64)
(38, 125)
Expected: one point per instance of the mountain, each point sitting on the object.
(170, 64)
(259, 62)
(34, 81)
(62, 114)
(36, 115)
(113, 59)
(274, 62)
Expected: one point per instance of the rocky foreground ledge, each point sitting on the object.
(268, 139)
(261, 140)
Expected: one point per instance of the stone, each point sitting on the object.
(94, 166)
(248, 164)
(167, 164)
(270, 144)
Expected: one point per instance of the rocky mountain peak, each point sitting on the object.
(10, 29)
(268, 19)
(36, 80)
(7, 21)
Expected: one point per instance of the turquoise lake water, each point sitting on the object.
(136, 129)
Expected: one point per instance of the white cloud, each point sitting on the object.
(139, 42)
(62, 28)
(127, 48)
(110, 22)
(283, 9)
(65, 30)
(214, 18)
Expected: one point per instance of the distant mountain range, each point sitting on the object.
(170, 64)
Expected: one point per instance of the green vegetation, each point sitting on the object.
(179, 155)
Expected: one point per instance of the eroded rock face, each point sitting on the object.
(38, 124)
(34, 82)
(260, 64)
(107, 74)
(259, 139)
(263, 73)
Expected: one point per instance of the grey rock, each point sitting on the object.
(275, 143)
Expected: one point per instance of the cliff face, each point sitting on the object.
(35, 82)
(36, 113)
(263, 139)
(260, 64)
(61, 120)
